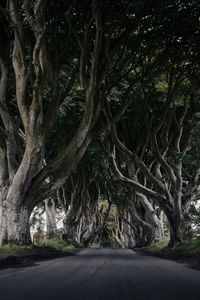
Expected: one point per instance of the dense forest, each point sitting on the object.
(100, 120)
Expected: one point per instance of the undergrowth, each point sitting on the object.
(191, 246)
(58, 245)
(186, 247)
(12, 249)
(54, 244)
(158, 244)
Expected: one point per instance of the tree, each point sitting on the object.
(51, 47)
(45, 71)
(163, 176)
(50, 210)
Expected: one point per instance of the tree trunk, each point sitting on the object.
(50, 218)
(175, 230)
(70, 228)
(159, 231)
(14, 224)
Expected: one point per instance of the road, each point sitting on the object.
(102, 274)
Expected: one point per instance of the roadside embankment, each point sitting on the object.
(187, 251)
(17, 255)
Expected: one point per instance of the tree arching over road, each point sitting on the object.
(52, 49)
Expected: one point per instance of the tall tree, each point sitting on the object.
(45, 59)
(163, 175)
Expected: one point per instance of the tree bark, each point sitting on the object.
(96, 231)
(14, 223)
(50, 218)
(175, 226)
(70, 227)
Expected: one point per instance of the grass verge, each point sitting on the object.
(58, 245)
(12, 250)
(191, 247)
(187, 251)
(186, 247)
(158, 245)
(51, 247)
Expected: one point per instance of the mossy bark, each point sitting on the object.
(15, 225)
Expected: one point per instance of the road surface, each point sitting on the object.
(102, 274)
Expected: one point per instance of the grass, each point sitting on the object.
(12, 250)
(186, 247)
(58, 245)
(54, 244)
(75, 243)
(94, 245)
(191, 246)
(158, 244)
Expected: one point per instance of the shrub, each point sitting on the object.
(58, 244)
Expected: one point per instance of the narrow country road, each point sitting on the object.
(106, 274)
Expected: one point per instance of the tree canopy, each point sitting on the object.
(79, 74)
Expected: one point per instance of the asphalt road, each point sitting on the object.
(102, 274)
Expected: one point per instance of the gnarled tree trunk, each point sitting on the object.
(175, 227)
(50, 211)
(14, 223)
